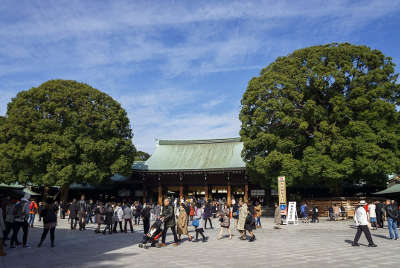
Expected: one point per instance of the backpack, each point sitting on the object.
(19, 210)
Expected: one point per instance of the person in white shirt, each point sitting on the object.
(372, 215)
(361, 220)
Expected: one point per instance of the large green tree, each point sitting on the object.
(64, 132)
(324, 115)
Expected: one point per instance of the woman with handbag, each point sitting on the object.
(225, 221)
(196, 223)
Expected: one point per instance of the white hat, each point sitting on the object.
(362, 203)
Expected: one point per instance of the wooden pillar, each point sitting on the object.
(159, 193)
(246, 192)
(228, 199)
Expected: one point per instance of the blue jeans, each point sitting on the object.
(258, 223)
(31, 219)
(393, 227)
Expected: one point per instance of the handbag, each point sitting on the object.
(196, 223)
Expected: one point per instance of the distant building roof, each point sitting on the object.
(395, 188)
(174, 155)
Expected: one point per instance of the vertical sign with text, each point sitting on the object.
(282, 194)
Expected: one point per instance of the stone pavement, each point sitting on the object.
(325, 244)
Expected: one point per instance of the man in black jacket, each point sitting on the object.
(392, 214)
(168, 217)
(73, 214)
(82, 213)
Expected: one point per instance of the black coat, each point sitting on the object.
(146, 213)
(169, 216)
(73, 210)
(108, 213)
(49, 215)
(250, 223)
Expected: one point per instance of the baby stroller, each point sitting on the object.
(152, 236)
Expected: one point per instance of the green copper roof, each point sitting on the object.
(391, 190)
(195, 155)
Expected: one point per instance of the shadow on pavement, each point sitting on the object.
(73, 249)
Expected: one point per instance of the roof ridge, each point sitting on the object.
(204, 141)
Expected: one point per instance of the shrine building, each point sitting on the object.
(210, 168)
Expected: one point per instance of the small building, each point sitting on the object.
(210, 168)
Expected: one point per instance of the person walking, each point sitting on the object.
(361, 221)
(118, 216)
(392, 214)
(21, 215)
(250, 225)
(182, 226)
(138, 213)
(191, 213)
(49, 215)
(82, 213)
(63, 209)
(33, 210)
(243, 212)
(73, 214)
(315, 214)
(225, 221)
(108, 221)
(372, 216)
(146, 214)
(9, 220)
(277, 217)
(207, 215)
(196, 223)
(127, 217)
(90, 210)
(99, 218)
(2, 231)
(168, 217)
(258, 212)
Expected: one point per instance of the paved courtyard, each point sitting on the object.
(326, 244)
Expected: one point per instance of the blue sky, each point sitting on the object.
(179, 68)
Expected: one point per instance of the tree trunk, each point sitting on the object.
(64, 192)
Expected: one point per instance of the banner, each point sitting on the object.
(282, 194)
(292, 214)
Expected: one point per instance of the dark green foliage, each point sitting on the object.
(63, 132)
(324, 115)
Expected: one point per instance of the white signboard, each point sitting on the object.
(292, 214)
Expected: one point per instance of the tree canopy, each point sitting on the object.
(324, 115)
(63, 132)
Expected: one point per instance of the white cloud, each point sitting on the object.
(108, 44)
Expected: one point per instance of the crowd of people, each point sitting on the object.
(175, 215)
